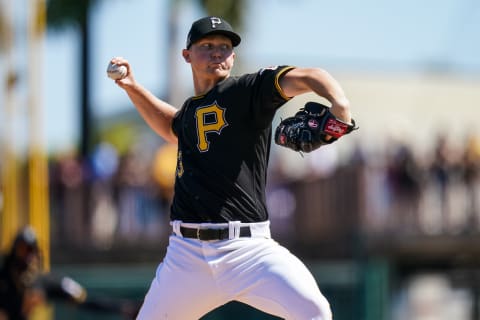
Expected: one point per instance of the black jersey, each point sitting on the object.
(224, 142)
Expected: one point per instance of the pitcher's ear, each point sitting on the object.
(186, 55)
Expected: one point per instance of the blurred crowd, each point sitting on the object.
(112, 197)
(122, 198)
(432, 190)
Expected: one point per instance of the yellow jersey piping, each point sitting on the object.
(277, 84)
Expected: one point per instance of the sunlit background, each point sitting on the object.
(387, 219)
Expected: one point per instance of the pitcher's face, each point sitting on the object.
(211, 56)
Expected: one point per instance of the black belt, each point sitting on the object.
(212, 234)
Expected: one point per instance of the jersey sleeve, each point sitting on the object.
(175, 123)
(267, 95)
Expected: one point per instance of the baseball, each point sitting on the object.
(116, 72)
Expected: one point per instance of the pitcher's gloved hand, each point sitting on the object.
(311, 127)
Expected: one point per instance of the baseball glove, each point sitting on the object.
(311, 127)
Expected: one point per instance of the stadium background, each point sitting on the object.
(394, 234)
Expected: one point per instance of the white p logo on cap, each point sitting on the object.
(215, 21)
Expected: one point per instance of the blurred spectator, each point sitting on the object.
(136, 195)
(104, 221)
(404, 178)
(104, 216)
(67, 181)
(375, 192)
(18, 295)
(163, 170)
(128, 184)
(26, 291)
(104, 161)
(281, 202)
(442, 169)
(432, 296)
(24, 288)
(471, 177)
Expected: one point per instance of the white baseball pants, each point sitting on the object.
(197, 276)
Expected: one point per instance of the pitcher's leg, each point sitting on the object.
(280, 284)
(182, 288)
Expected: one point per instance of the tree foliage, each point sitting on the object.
(230, 10)
(65, 13)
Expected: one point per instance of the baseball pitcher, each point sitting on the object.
(220, 248)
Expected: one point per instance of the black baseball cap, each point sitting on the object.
(211, 25)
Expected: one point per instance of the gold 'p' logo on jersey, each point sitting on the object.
(209, 119)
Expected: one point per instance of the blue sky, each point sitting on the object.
(347, 35)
